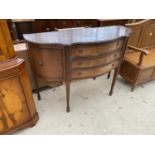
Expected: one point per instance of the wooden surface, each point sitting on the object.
(72, 54)
(6, 47)
(139, 66)
(17, 108)
(79, 36)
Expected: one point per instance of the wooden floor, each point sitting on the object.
(149, 60)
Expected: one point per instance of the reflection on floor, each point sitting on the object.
(94, 112)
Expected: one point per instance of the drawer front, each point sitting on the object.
(91, 62)
(78, 51)
(93, 72)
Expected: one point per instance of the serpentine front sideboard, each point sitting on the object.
(81, 53)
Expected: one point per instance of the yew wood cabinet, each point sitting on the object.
(139, 61)
(17, 107)
(72, 54)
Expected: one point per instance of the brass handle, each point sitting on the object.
(80, 51)
(79, 73)
(115, 55)
(79, 63)
(40, 62)
(150, 33)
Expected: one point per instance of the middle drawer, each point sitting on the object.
(94, 62)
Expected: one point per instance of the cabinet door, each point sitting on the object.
(13, 108)
(6, 46)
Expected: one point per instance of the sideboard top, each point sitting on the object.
(79, 35)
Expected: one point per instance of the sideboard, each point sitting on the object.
(72, 54)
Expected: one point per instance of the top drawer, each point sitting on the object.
(78, 51)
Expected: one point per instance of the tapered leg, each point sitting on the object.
(109, 75)
(67, 95)
(133, 87)
(37, 87)
(113, 81)
(94, 78)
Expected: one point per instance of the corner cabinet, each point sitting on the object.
(6, 46)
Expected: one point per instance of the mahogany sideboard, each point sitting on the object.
(81, 53)
(17, 107)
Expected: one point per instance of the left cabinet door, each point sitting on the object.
(6, 45)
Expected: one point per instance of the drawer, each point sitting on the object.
(94, 62)
(94, 49)
(93, 72)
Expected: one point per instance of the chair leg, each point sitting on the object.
(113, 81)
(37, 87)
(108, 76)
(68, 95)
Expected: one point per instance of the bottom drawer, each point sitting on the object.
(93, 72)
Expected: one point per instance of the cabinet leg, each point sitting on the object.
(67, 95)
(94, 78)
(108, 76)
(133, 87)
(37, 88)
(113, 81)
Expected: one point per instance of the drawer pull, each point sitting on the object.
(40, 62)
(150, 34)
(80, 51)
(79, 63)
(79, 73)
(115, 55)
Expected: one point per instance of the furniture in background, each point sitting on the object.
(6, 48)
(110, 22)
(17, 108)
(72, 54)
(139, 62)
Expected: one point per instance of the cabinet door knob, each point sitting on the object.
(40, 62)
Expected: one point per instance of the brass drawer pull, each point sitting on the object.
(40, 62)
(80, 63)
(79, 73)
(80, 51)
(115, 55)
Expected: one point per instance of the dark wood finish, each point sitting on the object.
(72, 54)
(17, 108)
(139, 63)
(110, 22)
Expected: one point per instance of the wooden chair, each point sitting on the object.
(139, 61)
